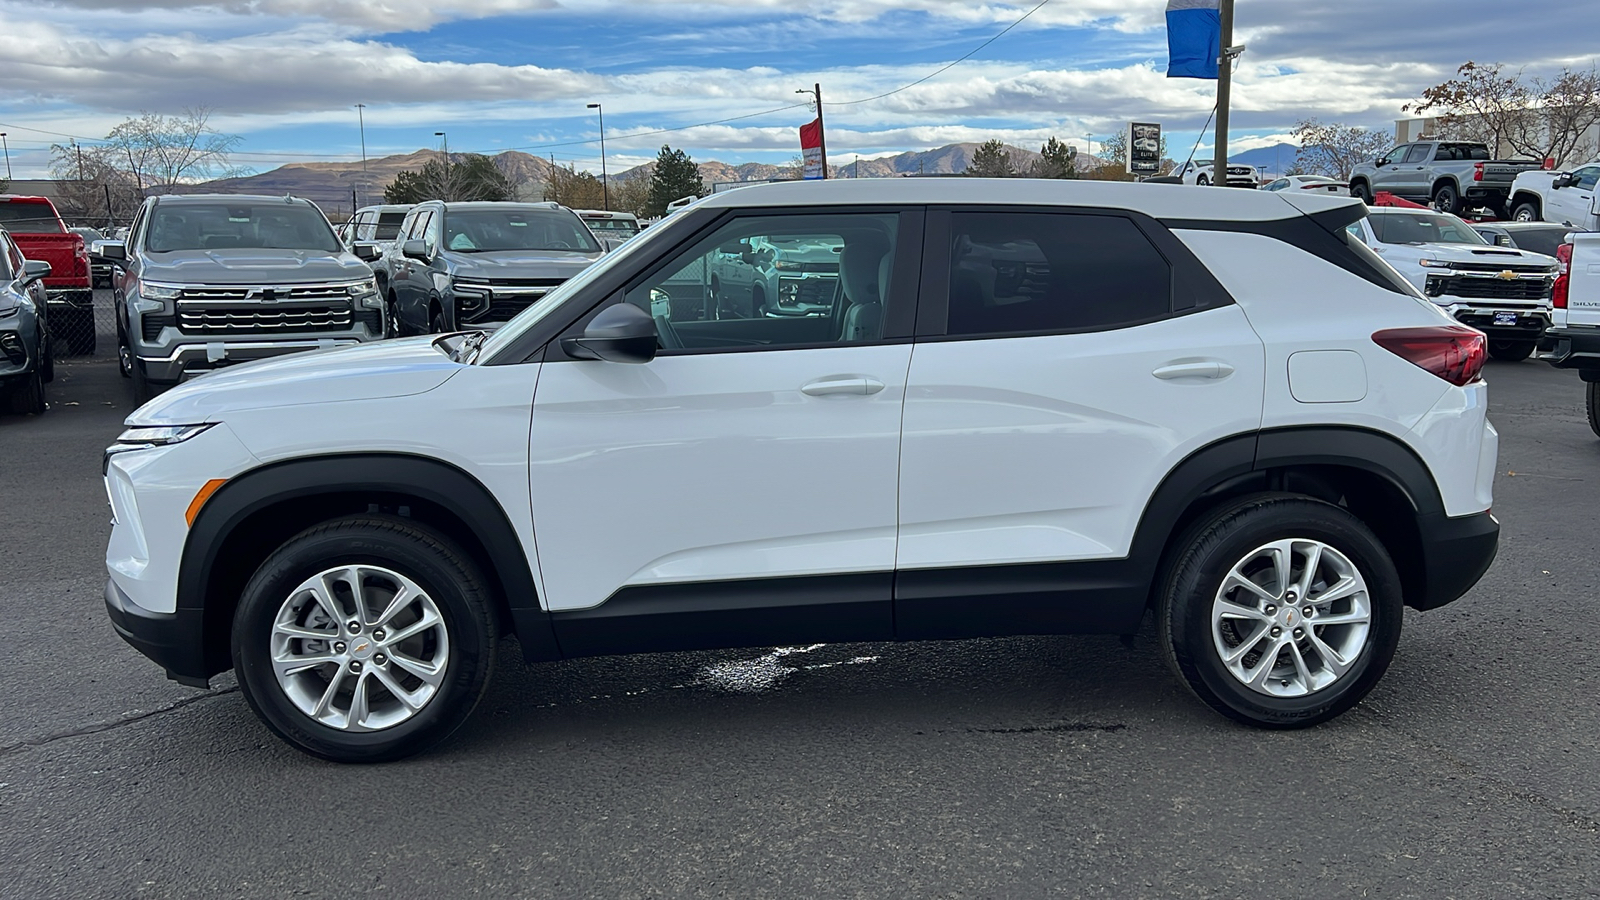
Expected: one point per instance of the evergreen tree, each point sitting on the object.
(675, 177)
(1056, 160)
(991, 160)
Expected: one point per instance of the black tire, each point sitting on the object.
(27, 394)
(1447, 199)
(1525, 212)
(758, 301)
(1361, 191)
(436, 322)
(1194, 576)
(1202, 181)
(1591, 405)
(47, 356)
(443, 571)
(142, 389)
(1511, 351)
(124, 353)
(391, 318)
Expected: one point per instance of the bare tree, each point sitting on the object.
(572, 188)
(1534, 117)
(631, 194)
(161, 151)
(91, 187)
(1332, 149)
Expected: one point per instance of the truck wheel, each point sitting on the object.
(27, 395)
(1360, 191)
(365, 639)
(124, 353)
(1280, 611)
(1511, 351)
(1525, 212)
(1591, 402)
(142, 391)
(1445, 199)
(1202, 181)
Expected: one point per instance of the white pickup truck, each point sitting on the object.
(1569, 198)
(1573, 339)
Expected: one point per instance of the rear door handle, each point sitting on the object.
(860, 385)
(1206, 368)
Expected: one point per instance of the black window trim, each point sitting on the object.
(900, 308)
(1192, 289)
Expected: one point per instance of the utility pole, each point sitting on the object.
(1219, 160)
(79, 151)
(449, 185)
(8, 154)
(822, 129)
(605, 184)
(361, 120)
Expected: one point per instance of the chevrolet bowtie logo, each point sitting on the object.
(1507, 275)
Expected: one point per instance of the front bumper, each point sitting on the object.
(1572, 347)
(188, 360)
(174, 641)
(1456, 551)
(1525, 324)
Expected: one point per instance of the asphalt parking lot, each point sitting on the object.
(1031, 767)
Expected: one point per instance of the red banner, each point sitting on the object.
(811, 148)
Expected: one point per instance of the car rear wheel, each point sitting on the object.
(1202, 181)
(1360, 191)
(1446, 199)
(1280, 611)
(1525, 212)
(1511, 351)
(365, 639)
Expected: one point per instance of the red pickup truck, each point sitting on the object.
(40, 234)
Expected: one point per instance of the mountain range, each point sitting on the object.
(330, 184)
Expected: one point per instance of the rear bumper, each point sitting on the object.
(1571, 348)
(172, 640)
(1530, 325)
(1456, 551)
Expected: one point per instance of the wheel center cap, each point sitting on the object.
(363, 648)
(1289, 616)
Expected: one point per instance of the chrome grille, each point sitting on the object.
(252, 293)
(262, 317)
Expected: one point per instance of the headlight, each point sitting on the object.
(1434, 264)
(367, 286)
(155, 290)
(143, 437)
(785, 264)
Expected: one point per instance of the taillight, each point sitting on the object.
(1558, 291)
(1455, 353)
(1477, 171)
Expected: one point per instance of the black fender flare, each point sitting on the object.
(424, 478)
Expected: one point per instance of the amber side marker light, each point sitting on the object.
(201, 497)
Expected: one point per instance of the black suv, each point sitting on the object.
(456, 265)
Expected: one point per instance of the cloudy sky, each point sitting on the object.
(500, 74)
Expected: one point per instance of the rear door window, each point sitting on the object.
(1015, 273)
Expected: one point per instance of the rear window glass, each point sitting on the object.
(23, 217)
(1014, 273)
(1540, 240)
(388, 226)
(1423, 228)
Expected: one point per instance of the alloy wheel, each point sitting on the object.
(359, 648)
(1291, 617)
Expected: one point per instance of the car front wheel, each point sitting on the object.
(1280, 611)
(364, 639)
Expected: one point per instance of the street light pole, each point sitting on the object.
(1219, 162)
(447, 187)
(605, 183)
(8, 154)
(361, 120)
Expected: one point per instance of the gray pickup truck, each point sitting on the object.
(1454, 176)
(209, 280)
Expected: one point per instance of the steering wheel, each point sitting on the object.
(667, 335)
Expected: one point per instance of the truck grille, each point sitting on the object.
(263, 317)
(288, 293)
(545, 283)
(1520, 268)
(1489, 288)
(502, 309)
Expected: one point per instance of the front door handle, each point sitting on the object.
(1205, 368)
(860, 385)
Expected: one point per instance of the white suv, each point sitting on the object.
(1029, 407)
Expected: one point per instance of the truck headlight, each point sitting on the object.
(1433, 264)
(155, 290)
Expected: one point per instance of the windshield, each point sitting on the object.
(29, 218)
(485, 230)
(521, 322)
(613, 226)
(213, 226)
(89, 234)
(1423, 228)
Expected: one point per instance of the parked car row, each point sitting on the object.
(26, 357)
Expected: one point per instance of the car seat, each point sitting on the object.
(864, 267)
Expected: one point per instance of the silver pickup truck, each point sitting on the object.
(1454, 176)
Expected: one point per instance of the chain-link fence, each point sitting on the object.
(83, 325)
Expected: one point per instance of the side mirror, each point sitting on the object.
(33, 270)
(1502, 240)
(1564, 180)
(621, 333)
(414, 249)
(365, 252)
(113, 250)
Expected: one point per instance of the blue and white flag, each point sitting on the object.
(1194, 38)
